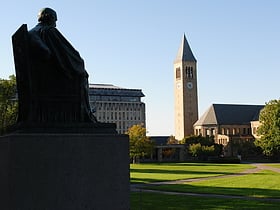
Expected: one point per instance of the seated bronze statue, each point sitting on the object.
(51, 77)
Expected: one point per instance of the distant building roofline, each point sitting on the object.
(106, 86)
(104, 89)
(110, 86)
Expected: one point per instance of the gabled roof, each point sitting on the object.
(230, 114)
(185, 52)
(209, 117)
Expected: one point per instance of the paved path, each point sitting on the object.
(259, 167)
(266, 167)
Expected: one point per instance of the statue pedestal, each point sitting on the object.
(64, 171)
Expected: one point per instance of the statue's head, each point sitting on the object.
(47, 16)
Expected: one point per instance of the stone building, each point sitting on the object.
(118, 105)
(229, 123)
(185, 91)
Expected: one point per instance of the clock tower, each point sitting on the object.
(185, 90)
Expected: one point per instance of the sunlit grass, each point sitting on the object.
(262, 184)
(145, 173)
(273, 165)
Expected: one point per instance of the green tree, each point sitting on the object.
(195, 150)
(8, 104)
(246, 148)
(208, 141)
(202, 151)
(139, 144)
(202, 147)
(269, 129)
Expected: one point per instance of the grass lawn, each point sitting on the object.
(276, 165)
(156, 172)
(154, 201)
(264, 184)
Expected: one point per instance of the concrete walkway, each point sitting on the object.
(259, 167)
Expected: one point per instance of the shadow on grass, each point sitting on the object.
(144, 180)
(154, 201)
(250, 192)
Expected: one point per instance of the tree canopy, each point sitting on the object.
(207, 141)
(139, 144)
(269, 129)
(202, 147)
(8, 103)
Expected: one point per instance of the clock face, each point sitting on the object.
(178, 85)
(189, 85)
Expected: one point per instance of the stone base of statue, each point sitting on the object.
(64, 170)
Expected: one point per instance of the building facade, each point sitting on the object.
(185, 91)
(229, 123)
(118, 105)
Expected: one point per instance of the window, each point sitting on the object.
(227, 131)
(189, 72)
(249, 131)
(178, 73)
(238, 131)
(213, 132)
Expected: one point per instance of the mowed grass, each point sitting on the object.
(155, 201)
(263, 184)
(146, 173)
(275, 165)
(257, 186)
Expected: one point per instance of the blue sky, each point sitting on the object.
(133, 44)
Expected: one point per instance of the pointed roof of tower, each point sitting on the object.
(185, 52)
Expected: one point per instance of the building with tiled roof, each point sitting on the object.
(113, 104)
(225, 122)
(229, 122)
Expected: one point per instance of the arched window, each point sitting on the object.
(189, 72)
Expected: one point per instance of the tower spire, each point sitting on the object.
(185, 52)
(185, 85)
